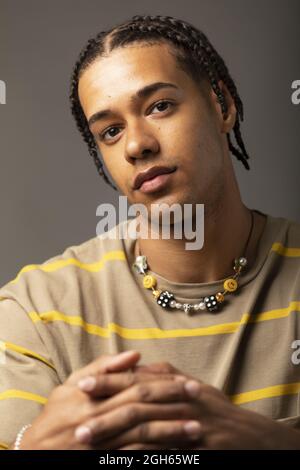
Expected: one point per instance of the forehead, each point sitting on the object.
(125, 70)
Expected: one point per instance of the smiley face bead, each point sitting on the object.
(164, 299)
(149, 281)
(230, 285)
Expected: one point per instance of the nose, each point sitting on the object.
(140, 142)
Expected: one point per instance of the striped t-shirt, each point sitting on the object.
(58, 316)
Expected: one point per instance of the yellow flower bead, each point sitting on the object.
(149, 281)
(220, 297)
(230, 285)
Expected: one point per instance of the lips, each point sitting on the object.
(151, 173)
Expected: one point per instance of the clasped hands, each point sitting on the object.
(159, 407)
(114, 403)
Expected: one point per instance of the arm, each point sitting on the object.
(27, 374)
(29, 383)
(31, 391)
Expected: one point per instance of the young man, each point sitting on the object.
(216, 329)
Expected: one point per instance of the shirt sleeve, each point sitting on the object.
(27, 374)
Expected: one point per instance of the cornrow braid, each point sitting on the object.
(193, 52)
(76, 108)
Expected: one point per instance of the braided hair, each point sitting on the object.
(193, 52)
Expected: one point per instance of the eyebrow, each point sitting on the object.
(144, 92)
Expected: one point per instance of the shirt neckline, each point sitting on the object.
(185, 291)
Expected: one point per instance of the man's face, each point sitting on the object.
(182, 131)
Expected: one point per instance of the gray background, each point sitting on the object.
(49, 185)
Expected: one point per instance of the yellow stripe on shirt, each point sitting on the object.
(118, 255)
(130, 333)
(285, 251)
(267, 392)
(157, 333)
(237, 399)
(25, 352)
(13, 393)
(276, 313)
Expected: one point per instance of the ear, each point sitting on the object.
(226, 120)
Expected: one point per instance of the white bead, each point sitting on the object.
(178, 305)
(196, 306)
(20, 436)
(202, 306)
(242, 261)
(173, 303)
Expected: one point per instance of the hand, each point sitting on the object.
(227, 426)
(152, 417)
(68, 406)
(128, 416)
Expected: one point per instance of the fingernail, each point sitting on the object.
(83, 434)
(180, 378)
(192, 428)
(87, 383)
(123, 355)
(192, 387)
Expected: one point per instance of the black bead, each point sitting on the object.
(164, 299)
(211, 303)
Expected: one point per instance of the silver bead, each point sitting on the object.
(196, 306)
(202, 306)
(187, 307)
(178, 305)
(140, 264)
(173, 303)
(242, 261)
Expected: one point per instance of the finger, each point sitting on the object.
(106, 385)
(168, 433)
(154, 391)
(145, 447)
(104, 364)
(161, 367)
(132, 406)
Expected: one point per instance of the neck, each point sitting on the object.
(226, 231)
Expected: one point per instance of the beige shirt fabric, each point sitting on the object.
(60, 315)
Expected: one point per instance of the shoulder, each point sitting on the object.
(67, 269)
(284, 257)
(286, 234)
(293, 232)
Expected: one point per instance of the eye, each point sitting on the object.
(102, 136)
(160, 104)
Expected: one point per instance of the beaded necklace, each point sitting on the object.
(210, 303)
